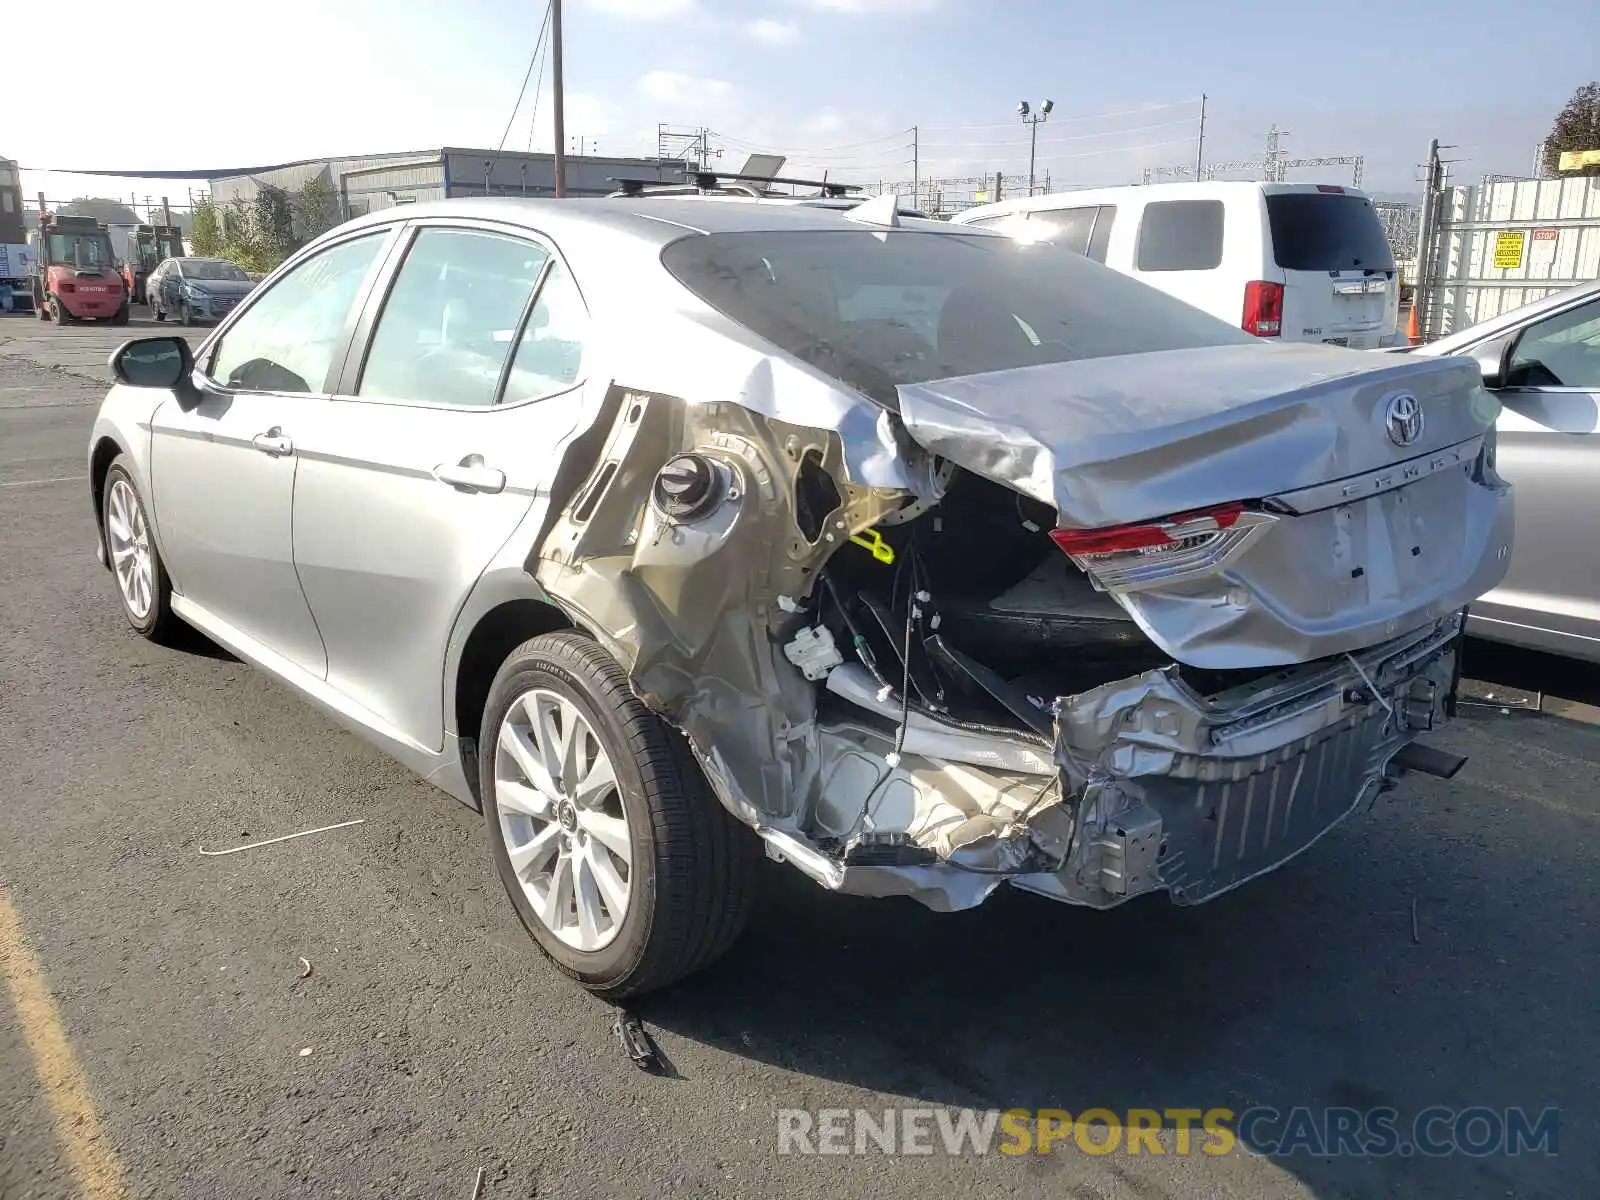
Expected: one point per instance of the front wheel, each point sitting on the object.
(142, 583)
(615, 854)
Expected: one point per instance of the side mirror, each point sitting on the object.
(1493, 357)
(159, 362)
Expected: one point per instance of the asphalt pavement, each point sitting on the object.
(161, 1036)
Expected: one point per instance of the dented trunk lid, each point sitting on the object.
(1374, 509)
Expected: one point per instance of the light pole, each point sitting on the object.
(1033, 120)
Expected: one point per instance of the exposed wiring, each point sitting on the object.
(1372, 687)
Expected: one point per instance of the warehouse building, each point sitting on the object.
(368, 182)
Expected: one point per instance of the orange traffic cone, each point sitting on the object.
(1414, 328)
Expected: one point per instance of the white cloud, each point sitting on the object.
(875, 7)
(644, 10)
(674, 87)
(773, 33)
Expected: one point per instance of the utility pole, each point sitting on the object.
(1033, 120)
(558, 86)
(1427, 222)
(1200, 143)
(166, 213)
(916, 165)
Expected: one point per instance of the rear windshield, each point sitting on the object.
(1324, 231)
(877, 310)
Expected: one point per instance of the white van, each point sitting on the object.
(1304, 262)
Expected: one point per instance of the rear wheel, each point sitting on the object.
(615, 854)
(142, 583)
(121, 316)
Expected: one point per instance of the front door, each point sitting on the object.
(223, 474)
(453, 430)
(1549, 450)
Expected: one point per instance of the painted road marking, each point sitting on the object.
(38, 482)
(93, 1161)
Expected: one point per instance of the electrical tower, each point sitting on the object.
(677, 144)
(1272, 166)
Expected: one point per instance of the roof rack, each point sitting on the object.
(696, 182)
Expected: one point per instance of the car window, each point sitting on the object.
(1560, 351)
(1327, 231)
(1101, 238)
(1180, 235)
(1066, 227)
(550, 355)
(879, 311)
(286, 340)
(450, 319)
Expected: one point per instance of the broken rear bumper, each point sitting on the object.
(1161, 788)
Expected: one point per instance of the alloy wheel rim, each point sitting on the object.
(562, 820)
(128, 538)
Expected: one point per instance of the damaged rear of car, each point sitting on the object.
(961, 563)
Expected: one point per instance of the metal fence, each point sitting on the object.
(1494, 246)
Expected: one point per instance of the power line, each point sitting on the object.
(539, 51)
(743, 144)
(1126, 112)
(1071, 137)
(523, 90)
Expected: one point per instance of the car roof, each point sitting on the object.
(659, 220)
(1496, 325)
(1204, 189)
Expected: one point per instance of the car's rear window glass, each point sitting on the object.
(879, 309)
(1326, 231)
(1180, 235)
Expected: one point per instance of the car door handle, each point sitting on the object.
(273, 442)
(471, 475)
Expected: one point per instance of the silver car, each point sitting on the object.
(1542, 362)
(193, 290)
(670, 532)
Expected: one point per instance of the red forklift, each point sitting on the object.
(147, 246)
(74, 274)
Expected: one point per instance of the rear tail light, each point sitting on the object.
(67, 287)
(1127, 557)
(1328, 187)
(1263, 308)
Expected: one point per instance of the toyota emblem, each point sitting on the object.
(1402, 418)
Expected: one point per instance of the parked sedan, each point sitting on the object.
(667, 531)
(196, 289)
(1542, 362)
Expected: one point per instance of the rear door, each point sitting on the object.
(442, 437)
(1339, 280)
(1549, 450)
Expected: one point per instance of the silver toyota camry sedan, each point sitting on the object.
(672, 532)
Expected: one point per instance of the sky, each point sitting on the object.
(836, 85)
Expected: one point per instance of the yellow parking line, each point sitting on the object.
(94, 1163)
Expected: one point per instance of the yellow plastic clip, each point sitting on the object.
(872, 540)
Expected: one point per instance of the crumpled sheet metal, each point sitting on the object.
(1108, 441)
(709, 360)
(692, 611)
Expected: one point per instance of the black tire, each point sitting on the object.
(694, 871)
(156, 312)
(121, 316)
(161, 624)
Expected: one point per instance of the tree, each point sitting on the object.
(316, 209)
(1576, 127)
(102, 209)
(206, 230)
